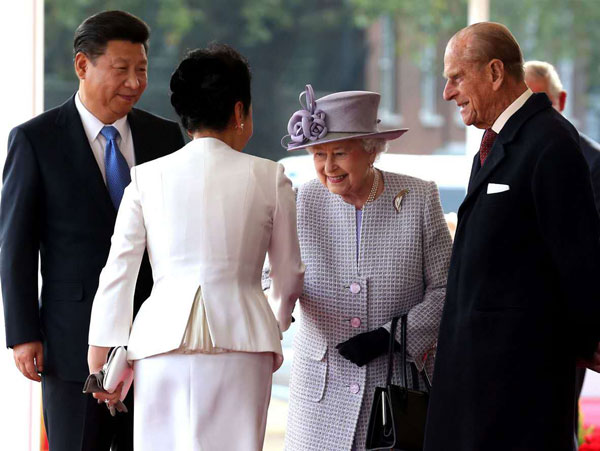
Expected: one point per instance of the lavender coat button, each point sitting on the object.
(354, 388)
(355, 322)
(354, 288)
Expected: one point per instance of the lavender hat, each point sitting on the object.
(338, 116)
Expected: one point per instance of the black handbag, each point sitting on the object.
(398, 414)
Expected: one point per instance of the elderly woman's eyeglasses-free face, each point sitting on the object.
(343, 168)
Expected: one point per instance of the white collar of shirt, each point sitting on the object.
(512, 109)
(92, 125)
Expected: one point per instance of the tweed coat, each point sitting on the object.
(401, 267)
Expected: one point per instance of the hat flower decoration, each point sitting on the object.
(309, 122)
(335, 117)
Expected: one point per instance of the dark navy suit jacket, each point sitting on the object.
(591, 153)
(55, 204)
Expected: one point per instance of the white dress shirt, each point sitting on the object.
(512, 109)
(92, 126)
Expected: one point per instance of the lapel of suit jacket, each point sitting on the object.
(533, 105)
(475, 167)
(145, 145)
(76, 147)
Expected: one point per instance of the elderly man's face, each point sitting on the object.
(469, 84)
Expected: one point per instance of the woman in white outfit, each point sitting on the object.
(205, 343)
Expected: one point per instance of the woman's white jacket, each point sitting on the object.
(207, 215)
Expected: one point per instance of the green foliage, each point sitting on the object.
(548, 30)
(293, 42)
(554, 30)
(288, 42)
(423, 19)
(177, 20)
(551, 28)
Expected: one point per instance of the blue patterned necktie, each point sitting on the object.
(117, 170)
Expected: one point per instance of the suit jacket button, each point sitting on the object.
(355, 322)
(354, 388)
(354, 288)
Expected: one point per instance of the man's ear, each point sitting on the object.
(562, 100)
(497, 72)
(81, 65)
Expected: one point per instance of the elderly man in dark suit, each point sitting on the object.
(63, 180)
(541, 76)
(522, 300)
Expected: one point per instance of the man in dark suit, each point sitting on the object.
(541, 76)
(63, 180)
(522, 301)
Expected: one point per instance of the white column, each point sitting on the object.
(479, 11)
(21, 97)
(22, 77)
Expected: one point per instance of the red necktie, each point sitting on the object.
(486, 144)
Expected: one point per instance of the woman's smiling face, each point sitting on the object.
(343, 167)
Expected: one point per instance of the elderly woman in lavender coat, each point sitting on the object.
(375, 245)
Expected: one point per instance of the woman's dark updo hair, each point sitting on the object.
(207, 85)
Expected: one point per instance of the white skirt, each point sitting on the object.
(202, 402)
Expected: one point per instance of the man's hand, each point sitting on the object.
(29, 358)
(594, 363)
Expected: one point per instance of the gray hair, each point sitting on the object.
(545, 71)
(369, 145)
(485, 41)
(375, 145)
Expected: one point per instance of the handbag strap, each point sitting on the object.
(390, 369)
(403, 333)
(414, 370)
(403, 353)
(415, 377)
(425, 379)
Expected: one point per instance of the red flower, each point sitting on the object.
(591, 441)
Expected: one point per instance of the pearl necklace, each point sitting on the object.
(374, 187)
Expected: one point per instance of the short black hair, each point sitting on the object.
(92, 36)
(206, 86)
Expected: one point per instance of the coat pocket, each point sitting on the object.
(308, 376)
(496, 198)
(62, 291)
